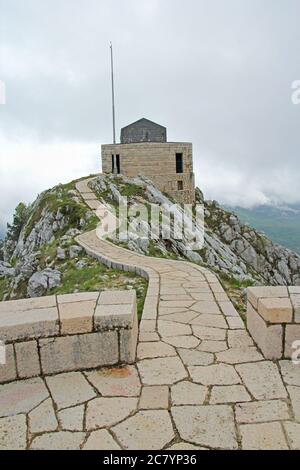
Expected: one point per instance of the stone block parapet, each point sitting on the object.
(273, 319)
(63, 333)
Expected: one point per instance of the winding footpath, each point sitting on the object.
(199, 382)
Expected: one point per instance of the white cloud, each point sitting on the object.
(29, 167)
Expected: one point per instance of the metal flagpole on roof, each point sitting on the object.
(113, 93)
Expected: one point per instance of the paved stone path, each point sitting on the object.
(199, 381)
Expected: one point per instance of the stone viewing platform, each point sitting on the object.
(273, 319)
(70, 332)
(199, 381)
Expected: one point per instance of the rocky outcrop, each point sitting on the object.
(40, 282)
(6, 270)
(41, 236)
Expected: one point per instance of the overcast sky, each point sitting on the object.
(217, 73)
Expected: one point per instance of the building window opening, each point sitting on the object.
(179, 163)
(180, 185)
(118, 163)
(115, 164)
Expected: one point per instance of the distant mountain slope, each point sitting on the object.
(281, 224)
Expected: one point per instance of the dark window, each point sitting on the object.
(179, 163)
(115, 164)
(180, 185)
(118, 163)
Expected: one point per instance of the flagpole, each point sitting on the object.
(113, 93)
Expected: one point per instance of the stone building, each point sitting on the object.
(144, 150)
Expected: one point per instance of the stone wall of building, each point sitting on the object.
(157, 161)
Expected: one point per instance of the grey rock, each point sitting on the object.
(6, 270)
(60, 254)
(80, 264)
(42, 281)
(74, 251)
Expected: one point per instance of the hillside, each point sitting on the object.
(281, 224)
(40, 256)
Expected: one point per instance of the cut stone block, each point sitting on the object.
(147, 337)
(142, 430)
(195, 358)
(294, 289)
(214, 321)
(239, 339)
(235, 323)
(269, 338)
(228, 309)
(28, 363)
(100, 440)
(292, 338)
(8, 370)
(62, 387)
(22, 305)
(229, 394)
(117, 297)
(104, 412)
(76, 317)
(155, 397)
(42, 418)
(128, 342)
(264, 436)
(256, 293)
(188, 342)
(71, 419)
(276, 310)
(86, 351)
(13, 431)
(118, 381)
(211, 425)
(77, 297)
(63, 440)
(161, 371)
(212, 346)
(108, 317)
(262, 380)
(290, 372)
(294, 393)
(188, 393)
(170, 328)
(26, 324)
(157, 349)
(209, 333)
(261, 411)
(293, 434)
(239, 355)
(21, 396)
(207, 307)
(185, 446)
(216, 374)
(295, 299)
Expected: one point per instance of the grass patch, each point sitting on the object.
(4, 287)
(131, 190)
(235, 291)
